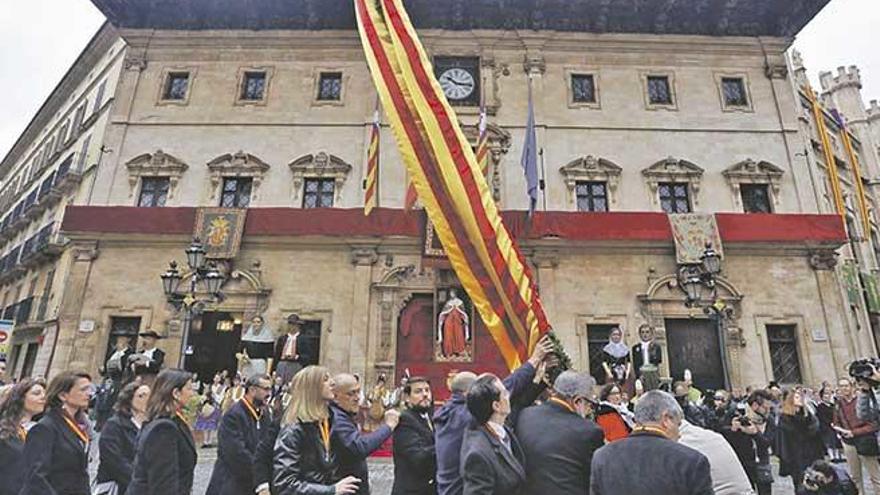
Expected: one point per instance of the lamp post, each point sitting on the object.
(202, 272)
(699, 278)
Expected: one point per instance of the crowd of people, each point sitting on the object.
(519, 434)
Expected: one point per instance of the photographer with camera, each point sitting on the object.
(865, 373)
(824, 478)
(859, 437)
(747, 436)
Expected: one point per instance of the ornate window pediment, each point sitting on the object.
(319, 166)
(674, 170)
(238, 164)
(591, 169)
(751, 172)
(156, 164)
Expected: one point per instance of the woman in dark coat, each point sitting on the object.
(119, 436)
(56, 450)
(23, 402)
(166, 453)
(304, 463)
(799, 441)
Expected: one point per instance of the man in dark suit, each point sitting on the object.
(453, 418)
(293, 350)
(557, 439)
(492, 460)
(647, 357)
(348, 443)
(149, 362)
(663, 466)
(237, 441)
(414, 458)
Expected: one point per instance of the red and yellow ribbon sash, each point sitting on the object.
(251, 409)
(75, 428)
(324, 428)
(371, 183)
(449, 181)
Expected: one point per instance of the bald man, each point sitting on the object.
(348, 443)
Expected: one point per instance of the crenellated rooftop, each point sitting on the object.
(780, 18)
(846, 76)
(873, 111)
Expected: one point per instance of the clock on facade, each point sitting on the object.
(460, 79)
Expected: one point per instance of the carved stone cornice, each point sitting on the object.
(136, 63)
(591, 168)
(157, 164)
(238, 164)
(823, 259)
(85, 252)
(674, 170)
(364, 255)
(751, 172)
(545, 259)
(319, 166)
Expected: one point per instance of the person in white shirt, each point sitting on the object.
(728, 475)
(149, 361)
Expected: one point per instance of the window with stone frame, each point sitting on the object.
(318, 193)
(734, 91)
(583, 88)
(597, 338)
(591, 196)
(78, 118)
(154, 191)
(659, 90)
(176, 86)
(99, 96)
(756, 198)
(782, 341)
(236, 192)
(330, 86)
(122, 327)
(674, 197)
(253, 86)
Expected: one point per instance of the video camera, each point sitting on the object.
(742, 414)
(864, 369)
(814, 480)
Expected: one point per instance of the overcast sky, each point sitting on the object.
(34, 55)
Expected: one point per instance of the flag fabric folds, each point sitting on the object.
(530, 156)
(447, 178)
(483, 142)
(371, 183)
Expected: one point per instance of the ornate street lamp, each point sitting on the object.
(189, 301)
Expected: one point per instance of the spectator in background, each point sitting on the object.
(23, 402)
(859, 437)
(799, 441)
(613, 416)
(118, 442)
(728, 476)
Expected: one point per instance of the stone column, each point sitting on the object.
(68, 352)
(363, 258)
(546, 262)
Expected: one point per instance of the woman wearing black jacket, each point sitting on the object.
(304, 463)
(166, 454)
(119, 436)
(23, 402)
(56, 450)
(799, 441)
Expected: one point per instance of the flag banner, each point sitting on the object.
(449, 183)
(850, 273)
(872, 291)
(857, 170)
(483, 143)
(530, 156)
(371, 183)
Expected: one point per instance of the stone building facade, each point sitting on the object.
(645, 114)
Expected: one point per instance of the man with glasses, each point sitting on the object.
(722, 413)
(346, 440)
(237, 441)
(558, 440)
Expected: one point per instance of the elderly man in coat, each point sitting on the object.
(237, 441)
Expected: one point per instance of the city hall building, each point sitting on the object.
(265, 110)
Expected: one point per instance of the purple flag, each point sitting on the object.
(530, 156)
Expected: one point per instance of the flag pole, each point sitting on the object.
(543, 179)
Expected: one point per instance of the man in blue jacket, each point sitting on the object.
(348, 443)
(453, 418)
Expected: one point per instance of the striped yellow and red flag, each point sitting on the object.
(410, 200)
(483, 142)
(371, 182)
(444, 170)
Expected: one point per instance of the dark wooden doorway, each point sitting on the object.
(693, 344)
(213, 342)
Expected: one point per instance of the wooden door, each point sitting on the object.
(693, 344)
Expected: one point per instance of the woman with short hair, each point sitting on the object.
(119, 438)
(166, 453)
(304, 463)
(22, 402)
(56, 450)
(613, 416)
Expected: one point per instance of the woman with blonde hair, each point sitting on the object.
(799, 440)
(304, 463)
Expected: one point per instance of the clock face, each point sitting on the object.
(457, 83)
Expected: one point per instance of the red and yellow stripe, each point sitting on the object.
(483, 145)
(371, 183)
(448, 180)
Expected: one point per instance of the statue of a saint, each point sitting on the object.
(453, 327)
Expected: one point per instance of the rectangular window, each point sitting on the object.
(318, 193)
(122, 327)
(99, 97)
(236, 192)
(176, 86)
(734, 90)
(583, 88)
(597, 338)
(253, 86)
(659, 90)
(330, 86)
(591, 196)
(78, 118)
(674, 197)
(62, 136)
(154, 192)
(755, 198)
(30, 358)
(83, 154)
(782, 340)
